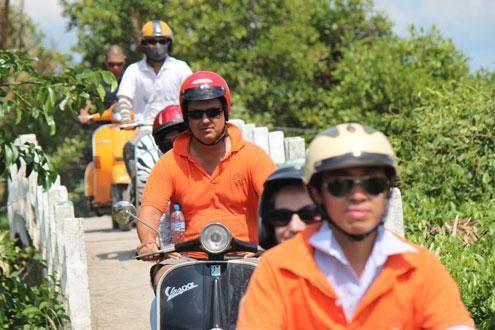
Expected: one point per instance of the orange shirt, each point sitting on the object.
(288, 291)
(229, 196)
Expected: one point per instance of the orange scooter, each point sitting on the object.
(106, 180)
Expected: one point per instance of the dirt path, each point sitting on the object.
(119, 285)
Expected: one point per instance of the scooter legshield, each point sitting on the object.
(202, 294)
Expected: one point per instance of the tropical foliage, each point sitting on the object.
(308, 65)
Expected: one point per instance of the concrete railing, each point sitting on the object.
(45, 219)
(280, 148)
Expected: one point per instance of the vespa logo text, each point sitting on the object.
(172, 292)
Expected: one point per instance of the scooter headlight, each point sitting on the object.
(215, 238)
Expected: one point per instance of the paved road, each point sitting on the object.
(119, 285)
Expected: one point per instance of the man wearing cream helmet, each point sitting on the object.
(350, 272)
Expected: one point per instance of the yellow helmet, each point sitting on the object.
(156, 28)
(348, 145)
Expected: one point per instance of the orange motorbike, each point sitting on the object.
(106, 180)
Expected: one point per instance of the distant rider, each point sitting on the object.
(115, 63)
(150, 84)
(168, 124)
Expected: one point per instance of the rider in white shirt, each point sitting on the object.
(151, 84)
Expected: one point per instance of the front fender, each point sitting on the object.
(119, 174)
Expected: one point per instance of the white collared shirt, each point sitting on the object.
(149, 92)
(333, 263)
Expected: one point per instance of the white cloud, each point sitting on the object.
(47, 15)
(469, 24)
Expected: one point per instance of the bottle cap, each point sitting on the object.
(176, 207)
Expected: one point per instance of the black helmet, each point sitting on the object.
(283, 176)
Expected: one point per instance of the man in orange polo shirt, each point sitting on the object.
(211, 171)
(350, 272)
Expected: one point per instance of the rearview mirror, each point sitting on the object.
(123, 212)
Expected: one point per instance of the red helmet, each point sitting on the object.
(168, 119)
(204, 85)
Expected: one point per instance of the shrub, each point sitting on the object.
(27, 299)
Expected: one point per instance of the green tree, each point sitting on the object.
(70, 146)
(446, 148)
(389, 76)
(314, 64)
(278, 56)
(29, 98)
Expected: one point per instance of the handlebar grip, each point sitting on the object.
(167, 249)
(241, 246)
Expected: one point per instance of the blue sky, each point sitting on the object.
(469, 23)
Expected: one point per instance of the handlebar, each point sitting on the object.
(194, 245)
(136, 124)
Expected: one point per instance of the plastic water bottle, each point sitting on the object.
(164, 229)
(178, 224)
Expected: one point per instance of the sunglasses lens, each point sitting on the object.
(282, 217)
(279, 217)
(375, 185)
(195, 114)
(117, 64)
(307, 214)
(339, 187)
(210, 113)
(213, 112)
(154, 41)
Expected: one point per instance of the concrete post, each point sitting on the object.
(248, 132)
(76, 272)
(294, 148)
(261, 138)
(277, 149)
(238, 122)
(55, 195)
(394, 219)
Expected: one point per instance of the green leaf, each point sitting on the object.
(101, 92)
(51, 96)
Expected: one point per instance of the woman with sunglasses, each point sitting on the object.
(350, 272)
(285, 207)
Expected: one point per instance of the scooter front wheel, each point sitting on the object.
(118, 191)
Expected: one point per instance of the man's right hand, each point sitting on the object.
(148, 247)
(84, 116)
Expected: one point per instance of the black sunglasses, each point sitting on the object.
(341, 186)
(154, 41)
(210, 113)
(281, 217)
(117, 64)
